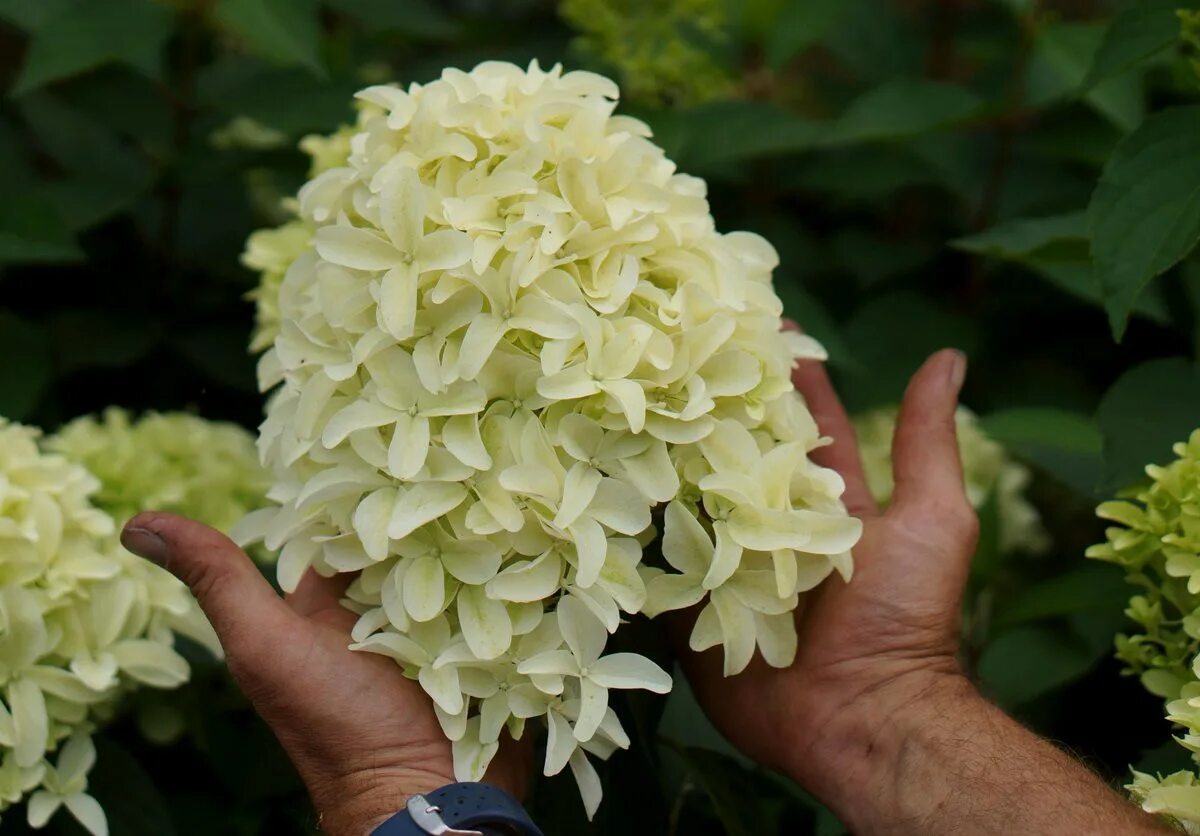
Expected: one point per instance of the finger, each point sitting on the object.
(316, 594)
(248, 616)
(812, 381)
(925, 457)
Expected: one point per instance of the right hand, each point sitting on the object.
(887, 642)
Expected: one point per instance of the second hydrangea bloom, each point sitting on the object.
(516, 343)
(1156, 540)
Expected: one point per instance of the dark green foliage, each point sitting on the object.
(1004, 177)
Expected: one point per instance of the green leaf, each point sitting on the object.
(1146, 411)
(903, 108)
(84, 35)
(102, 174)
(1136, 35)
(732, 131)
(877, 40)
(1078, 278)
(32, 230)
(125, 103)
(220, 352)
(25, 366)
(1144, 216)
(890, 337)
(86, 339)
(414, 18)
(1091, 586)
(1165, 758)
(32, 16)
(1030, 661)
(799, 25)
(286, 32)
(728, 786)
(128, 794)
(684, 721)
(1024, 236)
(988, 557)
(1062, 54)
(292, 101)
(1056, 249)
(1064, 443)
(872, 259)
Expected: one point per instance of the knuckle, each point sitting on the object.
(955, 519)
(963, 521)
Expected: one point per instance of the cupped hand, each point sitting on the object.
(362, 736)
(885, 643)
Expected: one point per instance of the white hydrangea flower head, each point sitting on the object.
(82, 621)
(516, 350)
(988, 471)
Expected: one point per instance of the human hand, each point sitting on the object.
(874, 651)
(362, 736)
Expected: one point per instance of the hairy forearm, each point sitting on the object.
(939, 759)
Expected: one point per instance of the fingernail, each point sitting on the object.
(958, 368)
(145, 543)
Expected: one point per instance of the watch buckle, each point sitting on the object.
(428, 817)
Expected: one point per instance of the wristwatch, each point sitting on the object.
(467, 809)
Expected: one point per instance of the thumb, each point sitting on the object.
(247, 614)
(925, 460)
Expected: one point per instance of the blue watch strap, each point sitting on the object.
(466, 806)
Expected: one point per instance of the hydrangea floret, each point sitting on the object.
(990, 473)
(1156, 540)
(82, 621)
(516, 353)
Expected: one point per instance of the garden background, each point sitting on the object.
(928, 170)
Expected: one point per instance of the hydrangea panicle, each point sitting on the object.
(1156, 540)
(82, 621)
(517, 343)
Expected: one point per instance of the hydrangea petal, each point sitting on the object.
(485, 623)
(629, 670)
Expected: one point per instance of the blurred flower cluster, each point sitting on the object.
(82, 621)
(176, 462)
(664, 50)
(516, 352)
(991, 475)
(1157, 542)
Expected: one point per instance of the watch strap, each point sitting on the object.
(464, 807)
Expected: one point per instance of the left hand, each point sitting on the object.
(363, 737)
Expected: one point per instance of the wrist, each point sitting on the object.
(856, 765)
(356, 804)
